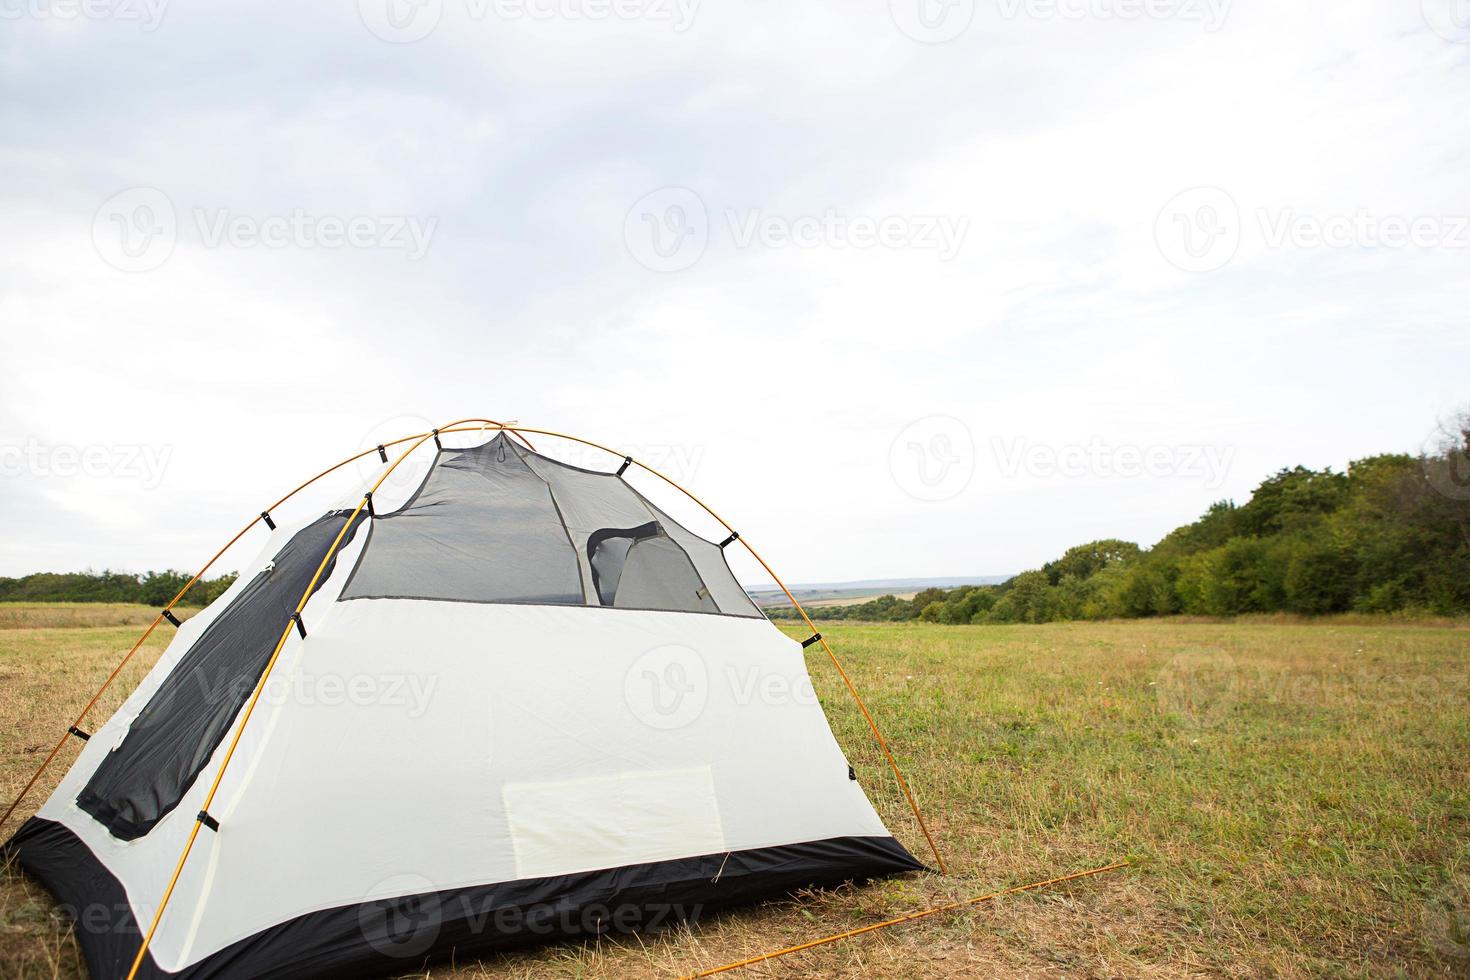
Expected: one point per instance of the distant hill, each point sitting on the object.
(843, 593)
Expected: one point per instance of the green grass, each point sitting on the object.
(1295, 799)
(50, 615)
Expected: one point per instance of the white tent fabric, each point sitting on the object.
(429, 750)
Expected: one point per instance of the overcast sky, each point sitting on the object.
(908, 288)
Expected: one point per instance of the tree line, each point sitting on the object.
(1390, 535)
(149, 588)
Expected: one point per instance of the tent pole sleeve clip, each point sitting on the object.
(382, 452)
(734, 536)
(814, 638)
(627, 462)
(208, 821)
(437, 444)
(169, 615)
(369, 498)
(300, 626)
(265, 515)
(74, 730)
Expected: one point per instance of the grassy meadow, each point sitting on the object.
(1294, 797)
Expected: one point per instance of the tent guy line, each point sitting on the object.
(923, 913)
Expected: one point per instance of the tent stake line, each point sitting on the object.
(952, 906)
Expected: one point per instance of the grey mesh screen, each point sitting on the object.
(709, 561)
(482, 528)
(500, 523)
(148, 773)
(657, 574)
(589, 501)
(607, 553)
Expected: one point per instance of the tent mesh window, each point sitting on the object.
(500, 523)
(168, 744)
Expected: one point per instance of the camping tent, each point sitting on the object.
(522, 704)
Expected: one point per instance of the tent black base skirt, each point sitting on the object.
(399, 935)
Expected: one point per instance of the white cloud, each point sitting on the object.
(784, 371)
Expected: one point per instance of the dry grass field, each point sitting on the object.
(1295, 799)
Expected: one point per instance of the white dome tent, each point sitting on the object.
(515, 706)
